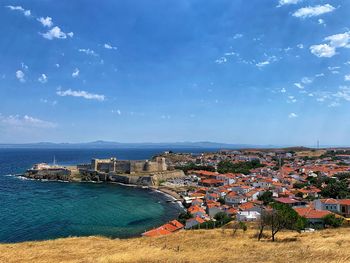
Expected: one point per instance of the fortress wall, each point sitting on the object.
(168, 175)
(146, 179)
(137, 166)
(122, 167)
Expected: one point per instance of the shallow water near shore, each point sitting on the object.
(35, 210)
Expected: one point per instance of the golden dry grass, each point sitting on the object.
(187, 246)
(315, 153)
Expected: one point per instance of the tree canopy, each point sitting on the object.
(241, 167)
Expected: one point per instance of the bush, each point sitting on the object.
(243, 226)
(332, 220)
(221, 216)
(184, 216)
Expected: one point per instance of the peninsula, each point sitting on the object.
(141, 173)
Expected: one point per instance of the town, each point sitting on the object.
(255, 186)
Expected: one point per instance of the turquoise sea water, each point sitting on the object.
(34, 210)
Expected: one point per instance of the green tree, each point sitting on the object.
(193, 166)
(221, 216)
(266, 197)
(222, 200)
(184, 216)
(332, 220)
(280, 217)
(338, 189)
(241, 167)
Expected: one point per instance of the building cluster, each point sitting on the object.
(284, 174)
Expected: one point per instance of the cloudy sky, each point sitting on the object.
(258, 72)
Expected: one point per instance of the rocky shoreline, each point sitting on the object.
(159, 189)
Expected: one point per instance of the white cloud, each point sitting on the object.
(88, 51)
(42, 78)
(334, 104)
(288, 2)
(46, 21)
(20, 76)
(331, 68)
(118, 112)
(343, 93)
(292, 115)
(306, 80)
(25, 121)
(347, 77)
(109, 46)
(319, 75)
(56, 32)
(291, 99)
(268, 61)
(311, 11)
(166, 117)
(339, 40)
(19, 8)
(323, 50)
(262, 64)
(301, 46)
(334, 41)
(75, 73)
(237, 36)
(298, 85)
(283, 90)
(57, 65)
(221, 60)
(80, 93)
(53, 103)
(321, 22)
(24, 66)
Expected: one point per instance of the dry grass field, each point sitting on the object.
(187, 246)
(315, 153)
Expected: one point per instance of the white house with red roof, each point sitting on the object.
(232, 198)
(313, 216)
(329, 204)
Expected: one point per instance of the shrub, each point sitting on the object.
(332, 220)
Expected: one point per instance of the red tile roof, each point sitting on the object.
(311, 213)
(344, 201)
(286, 200)
(165, 229)
(329, 201)
(160, 231)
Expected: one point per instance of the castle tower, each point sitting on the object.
(161, 164)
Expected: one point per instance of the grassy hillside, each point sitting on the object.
(187, 246)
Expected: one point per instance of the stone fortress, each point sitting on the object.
(144, 172)
(128, 167)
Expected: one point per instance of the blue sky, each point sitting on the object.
(242, 71)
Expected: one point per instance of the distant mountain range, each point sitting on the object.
(106, 144)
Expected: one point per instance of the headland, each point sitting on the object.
(139, 173)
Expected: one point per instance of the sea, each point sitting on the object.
(41, 210)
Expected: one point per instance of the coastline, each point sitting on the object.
(163, 190)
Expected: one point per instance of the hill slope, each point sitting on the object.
(187, 246)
